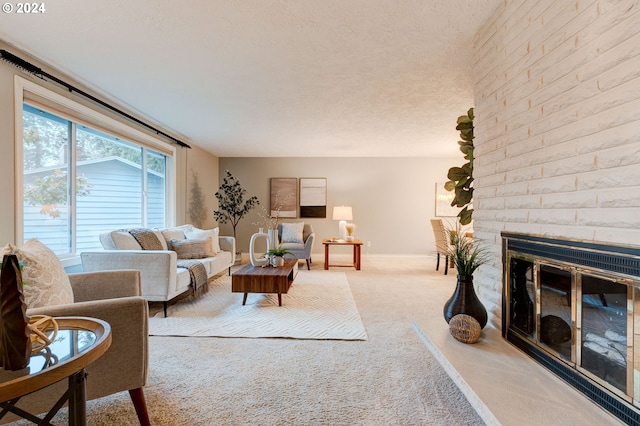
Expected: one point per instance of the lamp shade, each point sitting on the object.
(342, 213)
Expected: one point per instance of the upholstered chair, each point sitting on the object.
(115, 297)
(301, 249)
(442, 243)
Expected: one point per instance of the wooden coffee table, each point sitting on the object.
(256, 279)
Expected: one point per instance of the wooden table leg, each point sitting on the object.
(326, 257)
(279, 299)
(244, 299)
(356, 252)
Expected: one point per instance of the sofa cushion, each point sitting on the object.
(123, 240)
(206, 234)
(191, 249)
(292, 232)
(45, 281)
(176, 233)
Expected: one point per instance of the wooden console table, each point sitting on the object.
(357, 246)
(79, 342)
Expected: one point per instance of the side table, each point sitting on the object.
(357, 249)
(79, 342)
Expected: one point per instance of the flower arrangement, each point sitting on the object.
(270, 220)
(350, 227)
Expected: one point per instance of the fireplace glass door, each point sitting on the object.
(605, 321)
(578, 316)
(556, 310)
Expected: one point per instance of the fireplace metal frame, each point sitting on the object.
(613, 263)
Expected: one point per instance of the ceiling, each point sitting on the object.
(265, 78)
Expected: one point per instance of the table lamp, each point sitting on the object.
(342, 213)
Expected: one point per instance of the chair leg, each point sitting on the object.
(308, 266)
(438, 262)
(446, 264)
(137, 396)
(165, 309)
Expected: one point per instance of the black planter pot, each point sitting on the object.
(465, 301)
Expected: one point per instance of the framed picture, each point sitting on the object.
(313, 197)
(443, 202)
(284, 197)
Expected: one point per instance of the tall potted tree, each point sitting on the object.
(461, 178)
(232, 205)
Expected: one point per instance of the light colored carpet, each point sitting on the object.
(389, 379)
(319, 305)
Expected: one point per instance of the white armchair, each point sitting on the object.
(301, 251)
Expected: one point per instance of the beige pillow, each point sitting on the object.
(123, 240)
(45, 281)
(191, 249)
(206, 234)
(292, 232)
(176, 232)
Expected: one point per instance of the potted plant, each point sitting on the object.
(461, 178)
(467, 255)
(277, 255)
(232, 206)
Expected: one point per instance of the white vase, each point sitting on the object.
(273, 237)
(258, 260)
(277, 261)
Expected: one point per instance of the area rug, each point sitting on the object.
(319, 305)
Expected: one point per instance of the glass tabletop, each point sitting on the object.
(67, 344)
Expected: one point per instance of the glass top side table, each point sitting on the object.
(79, 342)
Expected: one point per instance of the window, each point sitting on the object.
(79, 180)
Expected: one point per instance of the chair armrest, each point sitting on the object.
(124, 365)
(157, 267)
(105, 285)
(309, 243)
(228, 244)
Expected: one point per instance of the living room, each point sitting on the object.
(555, 89)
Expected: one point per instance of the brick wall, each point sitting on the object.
(557, 105)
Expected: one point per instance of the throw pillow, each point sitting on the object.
(191, 249)
(292, 232)
(206, 234)
(176, 232)
(45, 281)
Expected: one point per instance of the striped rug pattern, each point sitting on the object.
(319, 305)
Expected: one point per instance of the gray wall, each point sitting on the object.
(392, 198)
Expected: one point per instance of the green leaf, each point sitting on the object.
(450, 185)
(463, 196)
(465, 216)
(456, 173)
(470, 114)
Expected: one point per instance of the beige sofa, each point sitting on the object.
(162, 279)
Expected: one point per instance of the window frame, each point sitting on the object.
(89, 117)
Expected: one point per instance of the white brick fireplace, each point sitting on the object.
(557, 126)
(557, 93)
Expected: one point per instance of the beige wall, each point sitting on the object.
(392, 198)
(557, 118)
(186, 159)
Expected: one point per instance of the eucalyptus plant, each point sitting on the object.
(461, 178)
(232, 206)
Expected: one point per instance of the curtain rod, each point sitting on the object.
(34, 70)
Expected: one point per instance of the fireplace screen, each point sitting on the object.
(576, 319)
(590, 334)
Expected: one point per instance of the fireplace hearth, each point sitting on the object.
(573, 306)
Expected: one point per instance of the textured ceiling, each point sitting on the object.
(323, 78)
